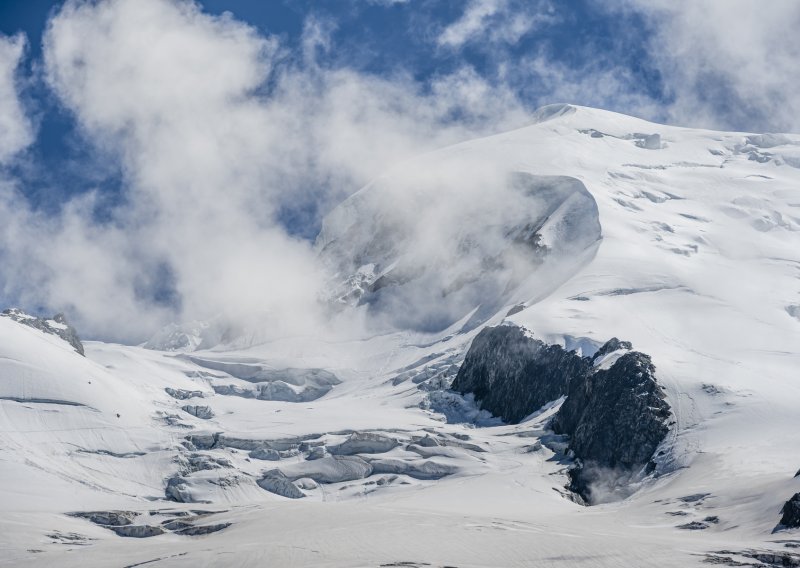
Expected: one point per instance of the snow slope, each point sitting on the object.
(584, 225)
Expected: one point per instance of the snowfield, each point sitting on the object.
(349, 450)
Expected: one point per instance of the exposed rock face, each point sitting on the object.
(791, 512)
(138, 531)
(610, 346)
(615, 413)
(513, 375)
(57, 325)
(615, 418)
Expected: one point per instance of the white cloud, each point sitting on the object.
(727, 63)
(496, 21)
(16, 132)
(598, 83)
(215, 138)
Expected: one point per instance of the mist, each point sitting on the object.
(217, 131)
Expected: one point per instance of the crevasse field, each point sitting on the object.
(684, 242)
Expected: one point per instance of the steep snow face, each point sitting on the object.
(457, 232)
(583, 226)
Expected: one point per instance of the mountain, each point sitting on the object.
(352, 450)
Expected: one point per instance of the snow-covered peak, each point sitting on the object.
(57, 325)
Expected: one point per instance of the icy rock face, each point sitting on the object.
(615, 418)
(791, 512)
(513, 375)
(203, 412)
(57, 325)
(138, 531)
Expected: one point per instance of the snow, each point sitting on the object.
(690, 249)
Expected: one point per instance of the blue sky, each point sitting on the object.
(160, 159)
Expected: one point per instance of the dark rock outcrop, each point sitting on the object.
(615, 415)
(513, 375)
(610, 346)
(615, 418)
(138, 531)
(57, 325)
(791, 512)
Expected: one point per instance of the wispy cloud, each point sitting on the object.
(217, 131)
(16, 131)
(726, 63)
(496, 21)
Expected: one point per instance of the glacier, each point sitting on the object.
(209, 447)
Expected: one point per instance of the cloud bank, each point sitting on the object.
(218, 132)
(725, 63)
(16, 132)
(232, 143)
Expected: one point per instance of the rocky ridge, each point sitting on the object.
(57, 325)
(615, 414)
